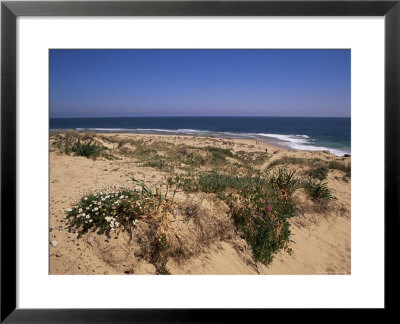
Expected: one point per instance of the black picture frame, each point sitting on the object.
(10, 10)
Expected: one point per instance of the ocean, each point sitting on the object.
(299, 133)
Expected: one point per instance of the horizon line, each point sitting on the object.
(206, 116)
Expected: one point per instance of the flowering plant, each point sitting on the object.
(109, 209)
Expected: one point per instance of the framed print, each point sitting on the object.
(161, 158)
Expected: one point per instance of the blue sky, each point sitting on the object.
(129, 83)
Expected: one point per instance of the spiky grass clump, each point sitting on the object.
(318, 190)
(284, 180)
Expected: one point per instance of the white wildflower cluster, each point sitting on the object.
(103, 206)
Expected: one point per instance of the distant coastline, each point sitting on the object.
(297, 133)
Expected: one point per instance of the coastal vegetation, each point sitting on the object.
(258, 197)
(85, 145)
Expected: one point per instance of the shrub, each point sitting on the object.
(319, 173)
(258, 210)
(318, 190)
(89, 150)
(262, 217)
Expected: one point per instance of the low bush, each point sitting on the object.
(261, 215)
(259, 210)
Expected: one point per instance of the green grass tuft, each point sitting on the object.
(283, 179)
(89, 150)
(318, 190)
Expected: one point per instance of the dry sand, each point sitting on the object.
(322, 243)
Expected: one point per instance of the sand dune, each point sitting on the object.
(321, 235)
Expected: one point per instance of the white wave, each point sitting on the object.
(288, 138)
(302, 142)
(106, 129)
(180, 130)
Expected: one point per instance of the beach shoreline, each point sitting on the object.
(269, 143)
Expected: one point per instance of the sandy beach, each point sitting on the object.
(209, 242)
